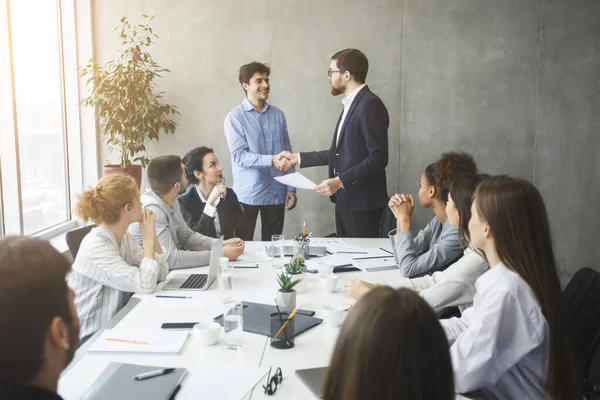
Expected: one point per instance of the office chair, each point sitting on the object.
(74, 238)
(582, 297)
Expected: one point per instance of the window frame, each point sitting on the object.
(79, 125)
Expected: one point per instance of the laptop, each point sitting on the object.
(198, 281)
(314, 379)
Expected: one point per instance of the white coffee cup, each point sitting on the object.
(328, 283)
(332, 315)
(207, 332)
(325, 269)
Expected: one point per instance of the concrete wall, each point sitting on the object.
(514, 82)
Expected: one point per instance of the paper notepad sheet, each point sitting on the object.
(136, 341)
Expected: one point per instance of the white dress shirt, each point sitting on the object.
(211, 210)
(347, 102)
(499, 347)
(105, 274)
(454, 286)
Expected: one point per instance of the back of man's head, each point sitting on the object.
(353, 61)
(163, 172)
(34, 300)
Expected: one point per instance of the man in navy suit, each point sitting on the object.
(359, 150)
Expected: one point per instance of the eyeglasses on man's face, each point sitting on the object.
(273, 381)
(333, 71)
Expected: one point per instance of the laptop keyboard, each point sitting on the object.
(194, 281)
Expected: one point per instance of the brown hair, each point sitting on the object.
(248, 70)
(462, 191)
(353, 61)
(450, 165)
(103, 203)
(33, 291)
(516, 214)
(163, 173)
(391, 346)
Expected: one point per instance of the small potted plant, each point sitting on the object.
(286, 295)
(297, 269)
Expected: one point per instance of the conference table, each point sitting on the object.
(224, 373)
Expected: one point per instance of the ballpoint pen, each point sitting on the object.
(161, 296)
(152, 374)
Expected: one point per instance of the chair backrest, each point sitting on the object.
(388, 222)
(74, 238)
(582, 297)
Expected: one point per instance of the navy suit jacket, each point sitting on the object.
(360, 156)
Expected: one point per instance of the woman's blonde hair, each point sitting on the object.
(103, 203)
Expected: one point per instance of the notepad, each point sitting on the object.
(137, 341)
(116, 383)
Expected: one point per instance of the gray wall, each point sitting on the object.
(514, 82)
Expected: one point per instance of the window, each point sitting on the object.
(40, 122)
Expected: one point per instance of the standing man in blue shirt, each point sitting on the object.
(257, 135)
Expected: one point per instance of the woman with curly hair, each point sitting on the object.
(110, 265)
(438, 245)
(454, 286)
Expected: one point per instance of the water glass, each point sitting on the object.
(225, 292)
(233, 323)
(277, 252)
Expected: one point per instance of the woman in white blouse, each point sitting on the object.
(514, 342)
(110, 265)
(455, 285)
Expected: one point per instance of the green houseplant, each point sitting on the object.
(286, 295)
(297, 269)
(123, 93)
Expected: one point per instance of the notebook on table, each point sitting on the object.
(137, 341)
(378, 264)
(116, 383)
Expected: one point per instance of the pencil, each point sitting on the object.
(286, 322)
(126, 341)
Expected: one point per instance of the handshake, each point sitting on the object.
(284, 161)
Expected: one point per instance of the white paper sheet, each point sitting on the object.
(251, 257)
(297, 180)
(220, 381)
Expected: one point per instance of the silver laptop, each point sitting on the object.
(198, 281)
(314, 379)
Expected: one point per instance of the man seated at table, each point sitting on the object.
(39, 325)
(184, 247)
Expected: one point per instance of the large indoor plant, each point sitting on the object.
(127, 105)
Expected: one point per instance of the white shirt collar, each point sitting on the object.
(347, 101)
(489, 279)
(204, 199)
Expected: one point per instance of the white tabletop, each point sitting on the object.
(312, 348)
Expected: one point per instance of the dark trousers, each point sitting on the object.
(358, 224)
(271, 219)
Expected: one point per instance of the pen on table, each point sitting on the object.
(246, 266)
(352, 252)
(160, 296)
(152, 374)
(126, 341)
(387, 251)
(369, 258)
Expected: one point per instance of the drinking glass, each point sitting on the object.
(233, 323)
(277, 252)
(225, 292)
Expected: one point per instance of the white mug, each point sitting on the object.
(325, 269)
(328, 283)
(333, 315)
(207, 332)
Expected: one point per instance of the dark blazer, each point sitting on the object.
(231, 217)
(360, 156)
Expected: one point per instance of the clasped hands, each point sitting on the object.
(402, 205)
(284, 161)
